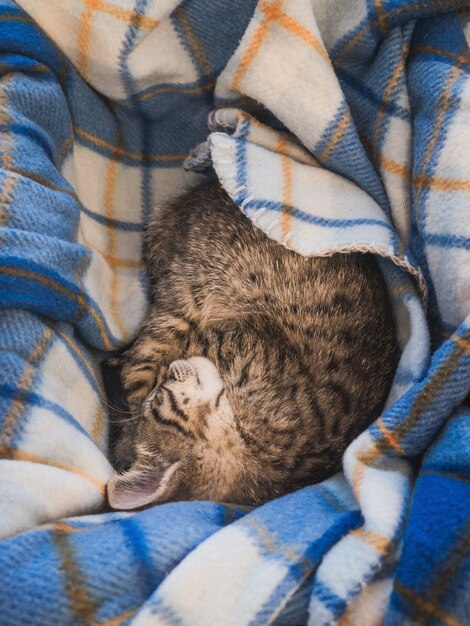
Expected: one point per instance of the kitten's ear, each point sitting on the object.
(141, 485)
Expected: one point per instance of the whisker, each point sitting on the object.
(123, 420)
(112, 407)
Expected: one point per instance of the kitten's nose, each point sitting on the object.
(181, 370)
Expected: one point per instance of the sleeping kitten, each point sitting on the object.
(255, 368)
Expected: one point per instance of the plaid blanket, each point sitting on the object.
(335, 127)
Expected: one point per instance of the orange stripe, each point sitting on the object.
(20, 455)
(83, 41)
(297, 29)
(269, 542)
(386, 163)
(272, 142)
(420, 181)
(363, 460)
(380, 16)
(286, 164)
(6, 195)
(182, 90)
(408, 8)
(429, 392)
(42, 181)
(336, 137)
(119, 619)
(34, 69)
(65, 148)
(420, 404)
(379, 542)
(271, 12)
(98, 421)
(438, 123)
(353, 42)
(109, 210)
(346, 619)
(357, 478)
(441, 184)
(464, 344)
(458, 58)
(83, 606)
(112, 261)
(451, 475)
(388, 436)
(390, 88)
(23, 19)
(194, 43)
(17, 405)
(426, 606)
(47, 282)
(443, 108)
(6, 192)
(123, 15)
(119, 152)
(61, 527)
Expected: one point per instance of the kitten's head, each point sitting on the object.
(186, 443)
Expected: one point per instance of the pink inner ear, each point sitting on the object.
(138, 486)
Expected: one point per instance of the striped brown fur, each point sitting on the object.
(305, 350)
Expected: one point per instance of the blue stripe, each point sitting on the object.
(20, 63)
(26, 39)
(28, 292)
(130, 86)
(291, 581)
(241, 159)
(36, 400)
(438, 57)
(36, 136)
(149, 573)
(446, 240)
(158, 607)
(333, 603)
(128, 159)
(444, 400)
(171, 88)
(332, 126)
(111, 222)
(367, 22)
(81, 365)
(184, 40)
(326, 222)
(406, 377)
(391, 108)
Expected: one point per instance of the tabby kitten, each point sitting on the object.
(255, 368)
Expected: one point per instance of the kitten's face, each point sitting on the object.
(186, 443)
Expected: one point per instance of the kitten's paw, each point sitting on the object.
(138, 380)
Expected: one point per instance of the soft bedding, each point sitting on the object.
(335, 127)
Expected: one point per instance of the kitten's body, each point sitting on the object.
(305, 348)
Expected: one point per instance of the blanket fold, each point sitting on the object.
(334, 131)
